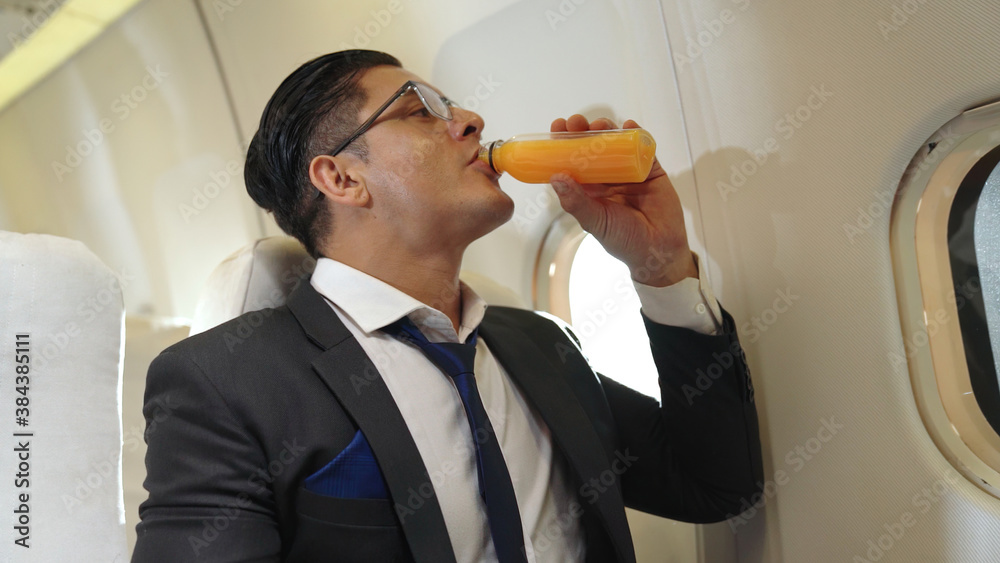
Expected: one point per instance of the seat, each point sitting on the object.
(257, 276)
(61, 327)
(263, 273)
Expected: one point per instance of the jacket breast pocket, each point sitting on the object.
(346, 529)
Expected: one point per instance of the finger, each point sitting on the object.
(577, 122)
(630, 124)
(572, 197)
(558, 125)
(602, 123)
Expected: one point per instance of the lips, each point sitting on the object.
(480, 165)
(484, 168)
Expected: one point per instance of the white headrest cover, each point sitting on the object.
(257, 276)
(69, 462)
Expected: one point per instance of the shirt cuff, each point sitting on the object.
(688, 303)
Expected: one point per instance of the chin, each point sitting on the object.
(492, 215)
(504, 208)
(509, 209)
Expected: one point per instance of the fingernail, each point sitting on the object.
(560, 187)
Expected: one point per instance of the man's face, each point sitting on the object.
(422, 172)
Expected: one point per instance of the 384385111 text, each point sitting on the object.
(22, 439)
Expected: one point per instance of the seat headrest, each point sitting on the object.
(257, 276)
(61, 330)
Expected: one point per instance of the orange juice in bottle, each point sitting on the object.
(590, 157)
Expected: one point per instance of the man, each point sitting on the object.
(329, 435)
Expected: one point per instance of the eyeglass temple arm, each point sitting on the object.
(375, 115)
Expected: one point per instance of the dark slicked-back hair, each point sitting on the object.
(313, 110)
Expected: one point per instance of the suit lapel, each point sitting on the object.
(359, 388)
(546, 388)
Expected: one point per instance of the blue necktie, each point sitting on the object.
(457, 360)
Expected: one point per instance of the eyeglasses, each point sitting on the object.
(438, 106)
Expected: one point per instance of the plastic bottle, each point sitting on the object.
(590, 157)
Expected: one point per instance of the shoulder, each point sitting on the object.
(540, 326)
(528, 319)
(253, 362)
(252, 327)
(239, 345)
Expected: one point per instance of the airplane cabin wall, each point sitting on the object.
(800, 237)
(130, 147)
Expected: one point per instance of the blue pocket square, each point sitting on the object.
(354, 473)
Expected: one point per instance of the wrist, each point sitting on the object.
(662, 269)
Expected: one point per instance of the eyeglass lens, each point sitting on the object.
(433, 101)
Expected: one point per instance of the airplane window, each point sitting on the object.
(945, 242)
(605, 316)
(973, 249)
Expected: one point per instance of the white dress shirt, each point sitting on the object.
(433, 410)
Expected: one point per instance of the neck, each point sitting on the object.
(429, 277)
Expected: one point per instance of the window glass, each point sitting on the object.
(973, 249)
(987, 240)
(605, 314)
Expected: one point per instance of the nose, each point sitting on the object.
(465, 123)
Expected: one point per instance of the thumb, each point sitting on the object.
(576, 202)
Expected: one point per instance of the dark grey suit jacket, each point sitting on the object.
(238, 416)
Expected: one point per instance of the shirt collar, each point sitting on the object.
(372, 304)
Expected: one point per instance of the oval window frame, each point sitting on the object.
(925, 293)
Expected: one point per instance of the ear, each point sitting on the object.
(339, 180)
